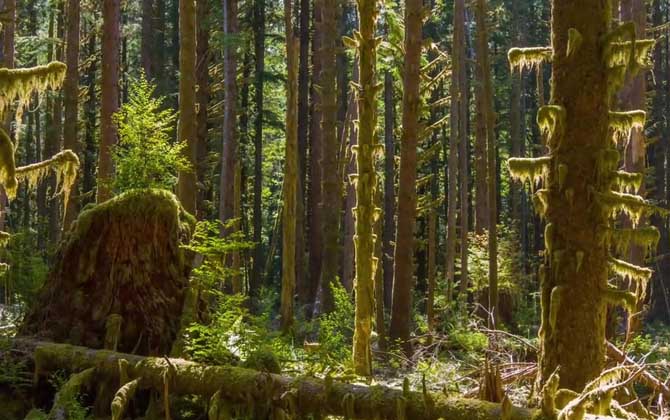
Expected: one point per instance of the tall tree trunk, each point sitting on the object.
(230, 129)
(147, 42)
(290, 172)
(401, 311)
(9, 34)
(90, 147)
(259, 53)
(202, 70)
(187, 187)
(464, 157)
(348, 257)
(315, 154)
(366, 186)
(302, 278)
(159, 46)
(331, 185)
(71, 100)
(111, 14)
(457, 96)
(388, 248)
(488, 119)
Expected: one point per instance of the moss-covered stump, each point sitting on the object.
(123, 258)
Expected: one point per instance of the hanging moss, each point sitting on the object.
(629, 271)
(619, 53)
(622, 123)
(623, 298)
(533, 170)
(7, 165)
(627, 182)
(554, 305)
(528, 58)
(633, 206)
(575, 40)
(646, 237)
(551, 120)
(64, 164)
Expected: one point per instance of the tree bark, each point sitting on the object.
(90, 143)
(110, 96)
(147, 42)
(202, 74)
(187, 187)
(71, 101)
(401, 311)
(388, 238)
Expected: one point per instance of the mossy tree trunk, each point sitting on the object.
(187, 129)
(71, 99)
(109, 137)
(401, 311)
(388, 236)
(366, 185)
(331, 184)
(203, 59)
(290, 173)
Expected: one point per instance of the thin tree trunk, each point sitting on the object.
(259, 53)
(147, 41)
(202, 71)
(71, 100)
(90, 146)
(401, 311)
(388, 248)
(111, 13)
(464, 158)
(366, 185)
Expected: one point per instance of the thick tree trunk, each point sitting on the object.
(202, 70)
(110, 96)
(71, 100)
(187, 187)
(309, 396)
(290, 173)
(401, 311)
(331, 184)
(573, 305)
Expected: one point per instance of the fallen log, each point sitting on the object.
(244, 387)
(645, 377)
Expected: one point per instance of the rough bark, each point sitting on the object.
(147, 42)
(290, 173)
(202, 73)
(331, 184)
(111, 38)
(71, 100)
(403, 279)
(187, 187)
(307, 395)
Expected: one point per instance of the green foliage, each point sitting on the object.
(510, 262)
(336, 330)
(14, 371)
(71, 403)
(145, 156)
(27, 271)
(468, 340)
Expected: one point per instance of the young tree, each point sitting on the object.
(582, 188)
(401, 311)
(111, 37)
(187, 127)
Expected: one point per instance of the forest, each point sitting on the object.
(310, 209)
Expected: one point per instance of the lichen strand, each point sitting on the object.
(630, 271)
(627, 182)
(121, 257)
(633, 206)
(532, 170)
(528, 58)
(646, 237)
(622, 123)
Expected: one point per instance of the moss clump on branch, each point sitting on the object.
(532, 170)
(623, 298)
(20, 84)
(646, 237)
(619, 53)
(528, 58)
(622, 123)
(633, 206)
(627, 182)
(629, 271)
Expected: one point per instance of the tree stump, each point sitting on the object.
(122, 258)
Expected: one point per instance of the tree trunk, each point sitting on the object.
(351, 131)
(187, 187)
(290, 172)
(388, 238)
(487, 116)
(202, 74)
(401, 311)
(110, 96)
(90, 143)
(331, 184)
(71, 100)
(366, 186)
(147, 42)
(463, 154)
(259, 53)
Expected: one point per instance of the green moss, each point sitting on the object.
(622, 298)
(122, 398)
(575, 41)
(632, 206)
(533, 170)
(528, 58)
(554, 305)
(646, 237)
(21, 84)
(7, 165)
(629, 271)
(551, 120)
(622, 123)
(627, 182)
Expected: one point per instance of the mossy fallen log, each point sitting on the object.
(244, 387)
